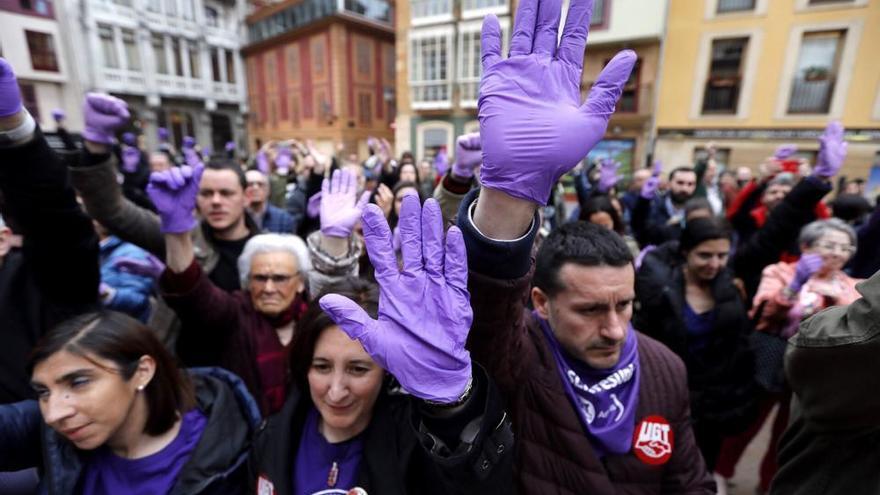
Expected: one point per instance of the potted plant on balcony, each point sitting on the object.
(815, 73)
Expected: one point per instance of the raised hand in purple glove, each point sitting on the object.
(103, 115)
(806, 267)
(189, 142)
(262, 162)
(832, 151)
(441, 161)
(129, 138)
(131, 158)
(174, 192)
(282, 160)
(163, 135)
(608, 177)
(784, 151)
(424, 310)
(10, 94)
(340, 206)
(230, 146)
(468, 155)
(58, 115)
(649, 188)
(192, 157)
(313, 209)
(150, 267)
(533, 125)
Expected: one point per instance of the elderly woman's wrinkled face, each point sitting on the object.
(836, 249)
(274, 282)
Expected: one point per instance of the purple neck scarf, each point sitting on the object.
(605, 399)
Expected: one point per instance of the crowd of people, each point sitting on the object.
(297, 322)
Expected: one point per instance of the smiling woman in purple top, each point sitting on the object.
(122, 418)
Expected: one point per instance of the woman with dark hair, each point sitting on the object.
(687, 300)
(601, 210)
(347, 423)
(121, 417)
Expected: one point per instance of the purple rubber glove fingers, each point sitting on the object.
(131, 158)
(313, 209)
(192, 157)
(340, 207)
(424, 310)
(10, 94)
(468, 155)
(533, 125)
(282, 160)
(441, 161)
(608, 177)
(103, 115)
(174, 192)
(163, 134)
(129, 138)
(832, 151)
(151, 267)
(262, 162)
(230, 146)
(808, 265)
(649, 188)
(58, 115)
(189, 142)
(784, 151)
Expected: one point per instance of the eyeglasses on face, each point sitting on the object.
(276, 278)
(831, 247)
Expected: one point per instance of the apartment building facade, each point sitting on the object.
(750, 75)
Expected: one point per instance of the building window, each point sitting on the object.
(153, 5)
(25, 4)
(124, 3)
(42, 48)
(158, 43)
(181, 125)
(469, 66)
(212, 18)
(388, 62)
(178, 57)
(429, 69)
(725, 6)
(294, 109)
(482, 4)
(364, 57)
(824, 2)
(215, 64)
(725, 75)
(230, 66)
(434, 138)
(318, 56)
(430, 8)
(171, 7)
(629, 97)
(379, 10)
(293, 64)
(816, 72)
(722, 155)
(600, 13)
(365, 108)
(132, 55)
(29, 100)
(195, 60)
(108, 46)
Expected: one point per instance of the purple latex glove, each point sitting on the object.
(608, 177)
(340, 207)
(103, 115)
(282, 161)
(173, 192)
(129, 138)
(832, 151)
(649, 188)
(189, 142)
(192, 157)
(58, 115)
(10, 94)
(441, 161)
(468, 155)
(151, 267)
(533, 125)
(313, 209)
(784, 151)
(131, 158)
(808, 265)
(230, 146)
(163, 135)
(424, 310)
(262, 162)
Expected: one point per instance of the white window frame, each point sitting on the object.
(431, 19)
(804, 5)
(750, 66)
(853, 30)
(446, 34)
(711, 11)
(421, 127)
(462, 76)
(479, 13)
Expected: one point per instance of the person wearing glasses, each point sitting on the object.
(269, 218)
(254, 326)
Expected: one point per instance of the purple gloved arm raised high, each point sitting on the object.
(174, 192)
(649, 188)
(441, 161)
(103, 115)
(282, 160)
(340, 206)
(832, 151)
(163, 134)
(10, 94)
(468, 155)
(608, 177)
(784, 151)
(131, 158)
(424, 308)
(533, 125)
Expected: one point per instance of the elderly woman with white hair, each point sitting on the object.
(255, 324)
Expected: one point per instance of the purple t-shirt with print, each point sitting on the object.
(155, 474)
(324, 467)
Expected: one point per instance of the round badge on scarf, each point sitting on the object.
(653, 440)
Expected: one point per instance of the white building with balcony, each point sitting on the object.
(176, 63)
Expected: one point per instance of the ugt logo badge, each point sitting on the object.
(653, 440)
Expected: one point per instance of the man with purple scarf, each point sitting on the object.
(597, 407)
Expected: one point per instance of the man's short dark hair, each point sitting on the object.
(683, 168)
(226, 164)
(581, 243)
